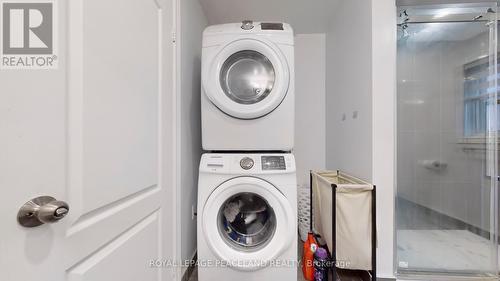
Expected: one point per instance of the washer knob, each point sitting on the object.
(246, 163)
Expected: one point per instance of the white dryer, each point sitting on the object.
(247, 95)
(247, 217)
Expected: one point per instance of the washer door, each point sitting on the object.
(247, 223)
(247, 79)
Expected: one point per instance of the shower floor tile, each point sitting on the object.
(453, 250)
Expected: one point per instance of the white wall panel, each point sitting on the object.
(310, 135)
(193, 21)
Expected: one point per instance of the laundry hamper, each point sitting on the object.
(344, 210)
(304, 210)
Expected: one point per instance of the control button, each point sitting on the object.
(215, 162)
(247, 25)
(246, 163)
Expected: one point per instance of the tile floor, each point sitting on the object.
(455, 250)
(427, 240)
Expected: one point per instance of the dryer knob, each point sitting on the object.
(246, 24)
(246, 163)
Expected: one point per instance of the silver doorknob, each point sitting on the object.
(40, 210)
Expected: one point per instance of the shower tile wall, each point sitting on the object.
(430, 128)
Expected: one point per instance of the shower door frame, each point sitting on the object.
(491, 139)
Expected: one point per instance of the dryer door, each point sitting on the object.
(247, 79)
(247, 223)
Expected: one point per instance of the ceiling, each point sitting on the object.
(305, 16)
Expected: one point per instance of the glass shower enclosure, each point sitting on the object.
(447, 135)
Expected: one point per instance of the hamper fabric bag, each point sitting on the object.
(353, 245)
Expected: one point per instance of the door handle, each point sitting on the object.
(41, 210)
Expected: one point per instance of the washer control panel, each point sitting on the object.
(246, 163)
(273, 163)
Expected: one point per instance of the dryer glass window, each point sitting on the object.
(247, 77)
(246, 221)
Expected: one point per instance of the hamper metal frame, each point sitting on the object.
(334, 226)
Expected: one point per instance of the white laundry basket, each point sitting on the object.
(304, 213)
(343, 208)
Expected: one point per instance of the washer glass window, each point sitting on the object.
(247, 77)
(246, 221)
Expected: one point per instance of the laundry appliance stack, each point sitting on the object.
(247, 196)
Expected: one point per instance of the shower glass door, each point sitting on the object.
(447, 132)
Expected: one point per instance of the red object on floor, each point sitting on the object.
(310, 246)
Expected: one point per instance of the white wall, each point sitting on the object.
(348, 89)
(303, 16)
(310, 138)
(189, 36)
(360, 75)
(383, 127)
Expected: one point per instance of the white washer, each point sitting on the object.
(247, 95)
(247, 217)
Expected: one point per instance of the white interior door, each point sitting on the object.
(94, 133)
